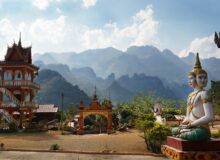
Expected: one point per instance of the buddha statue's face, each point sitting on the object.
(201, 80)
(192, 81)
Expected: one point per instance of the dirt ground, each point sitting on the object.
(70, 156)
(121, 142)
(118, 142)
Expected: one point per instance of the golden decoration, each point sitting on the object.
(176, 154)
(197, 68)
(206, 100)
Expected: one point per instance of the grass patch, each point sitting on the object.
(54, 147)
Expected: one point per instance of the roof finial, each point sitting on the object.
(109, 101)
(109, 95)
(95, 96)
(19, 42)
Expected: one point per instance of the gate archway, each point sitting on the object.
(95, 123)
(95, 109)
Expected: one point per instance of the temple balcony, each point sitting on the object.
(18, 83)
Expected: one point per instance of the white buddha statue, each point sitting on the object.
(158, 112)
(199, 108)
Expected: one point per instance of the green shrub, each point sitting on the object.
(87, 127)
(54, 147)
(154, 133)
(157, 136)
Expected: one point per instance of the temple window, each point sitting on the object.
(27, 76)
(8, 75)
(27, 97)
(18, 75)
(5, 98)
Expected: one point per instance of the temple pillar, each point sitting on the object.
(13, 74)
(81, 124)
(21, 120)
(1, 98)
(23, 74)
(2, 76)
(109, 123)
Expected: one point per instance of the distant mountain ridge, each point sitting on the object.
(143, 59)
(121, 89)
(53, 85)
(142, 69)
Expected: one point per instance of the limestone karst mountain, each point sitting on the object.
(53, 84)
(106, 68)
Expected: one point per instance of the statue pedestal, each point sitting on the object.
(179, 149)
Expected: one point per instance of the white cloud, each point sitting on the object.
(58, 10)
(9, 33)
(57, 35)
(45, 35)
(43, 4)
(88, 3)
(48, 30)
(147, 26)
(204, 46)
(6, 30)
(141, 32)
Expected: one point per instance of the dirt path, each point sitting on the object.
(119, 142)
(12, 155)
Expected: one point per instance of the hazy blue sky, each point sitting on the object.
(76, 25)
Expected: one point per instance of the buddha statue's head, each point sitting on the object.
(192, 79)
(201, 75)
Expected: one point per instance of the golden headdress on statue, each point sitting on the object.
(197, 67)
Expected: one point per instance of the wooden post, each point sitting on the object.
(81, 123)
(109, 125)
(21, 120)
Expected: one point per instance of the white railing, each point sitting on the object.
(5, 83)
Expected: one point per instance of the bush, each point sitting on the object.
(54, 147)
(87, 127)
(156, 137)
(154, 133)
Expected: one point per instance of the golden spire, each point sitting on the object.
(197, 68)
(95, 95)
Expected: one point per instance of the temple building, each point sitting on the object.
(17, 86)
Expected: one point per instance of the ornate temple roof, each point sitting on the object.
(17, 53)
(96, 105)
